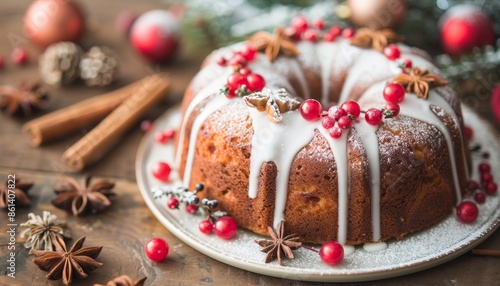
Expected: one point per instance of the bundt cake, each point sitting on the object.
(264, 162)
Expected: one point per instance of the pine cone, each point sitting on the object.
(59, 63)
(98, 67)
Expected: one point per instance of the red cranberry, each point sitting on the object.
(225, 227)
(480, 197)
(248, 52)
(336, 112)
(206, 227)
(491, 188)
(156, 249)
(160, 137)
(331, 252)
(169, 133)
(146, 125)
(467, 212)
(335, 132)
(348, 33)
(300, 24)
(20, 56)
(329, 37)
(237, 61)
(191, 209)
(472, 186)
(335, 30)
(311, 35)
(392, 52)
(352, 108)
(484, 168)
(161, 171)
(469, 133)
(407, 63)
(222, 62)
(235, 80)
(319, 23)
(255, 82)
(394, 108)
(486, 177)
(327, 122)
(173, 203)
(231, 92)
(373, 116)
(311, 110)
(345, 122)
(292, 33)
(245, 71)
(394, 93)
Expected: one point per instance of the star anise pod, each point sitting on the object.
(377, 39)
(273, 102)
(18, 194)
(42, 231)
(79, 199)
(273, 45)
(279, 244)
(124, 280)
(64, 264)
(419, 81)
(23, 99)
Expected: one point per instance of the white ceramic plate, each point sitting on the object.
(425, 249)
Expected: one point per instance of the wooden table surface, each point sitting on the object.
(126, 226)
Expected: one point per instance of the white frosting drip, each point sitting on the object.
(348, 249)
(277, 143)
(377, 246)
(213, 105)
(339, 149)
(209, 90)
(420, 109)
(326, 52)
(367, 134)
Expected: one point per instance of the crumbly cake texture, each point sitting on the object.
(372, 184)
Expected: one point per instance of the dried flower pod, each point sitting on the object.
(59, 64)
(42, 231)
(98, 66)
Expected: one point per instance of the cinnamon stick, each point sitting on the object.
(75, 117)
(99, 140)
(486, 252)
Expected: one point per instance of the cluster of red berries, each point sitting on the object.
(467, 211)
(164, 136)
(243, 80)
(336, 119)
(339, 118)
(301, 29)
(219, 222)
(19, 56)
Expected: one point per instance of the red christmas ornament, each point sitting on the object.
(50, 21)
(464, 27)
(495, 102)
(155, 34)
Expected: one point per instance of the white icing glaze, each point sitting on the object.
(367, 134)
(277, 143)
(206, 92)
(326, 52)
(339, 149)
(213, 105)
(420, 109)
(348, 249)
(376, 246)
